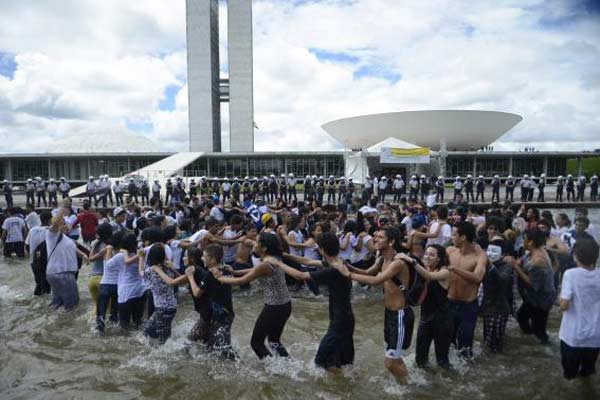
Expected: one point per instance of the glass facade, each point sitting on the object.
(492, 166)
(529, 166)
(459, 166)
(557, 166)
(25, 169)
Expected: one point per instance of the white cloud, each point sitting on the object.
(94, 66)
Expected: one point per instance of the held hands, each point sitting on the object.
(189, 271)
(228, 268)
(342, 269)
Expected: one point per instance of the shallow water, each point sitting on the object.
(49, 355)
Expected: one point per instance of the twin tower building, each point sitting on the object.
(206, 89)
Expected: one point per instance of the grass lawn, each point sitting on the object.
(591, 166)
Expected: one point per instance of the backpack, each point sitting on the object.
(416, 292)
(40, 256)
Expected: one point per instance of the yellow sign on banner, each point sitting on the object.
(394, 155)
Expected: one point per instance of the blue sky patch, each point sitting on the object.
(167, 103)
(335, 56)
(7, 65)
(376, 71)
(139, 126)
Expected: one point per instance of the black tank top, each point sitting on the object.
(435, 302)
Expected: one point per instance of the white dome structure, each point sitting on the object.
(462, 129)
(119, 141)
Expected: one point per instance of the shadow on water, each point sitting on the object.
(50, 355)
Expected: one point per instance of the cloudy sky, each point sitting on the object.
(76, 73)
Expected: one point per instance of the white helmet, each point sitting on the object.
(307, 176)
(469, 176)
(440, 178)
(398, 176)
(495, 176)
(90, 178)
(383, 178)
(62, 178)
(525, 176)
(331, 177)
(291, 175)
(423, 176)
(272, 176)
(246, 178)
(413, 177)
(457, 178)
(510, 177)
(480, 177)
(560, 177)
(314, 177)
(569, 176)
(29, 180)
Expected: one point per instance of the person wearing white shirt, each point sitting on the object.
(35, 238)
(398, 188)
(579, 332)
(440, 231)
(32, 219)
(64, 188)
(13, 234)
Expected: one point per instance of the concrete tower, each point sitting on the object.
(206, 91)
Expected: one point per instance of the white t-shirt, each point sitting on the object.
(444, 236)
(217, 214)
(407, 221)
(296, 236)
(580, 325)
(32, 220)
(14, 229)
(367, 210)
(64, 258)
(35, 236)
(346, 254)
(229, 251)
(364, 250)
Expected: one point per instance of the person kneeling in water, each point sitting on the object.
(337, 346)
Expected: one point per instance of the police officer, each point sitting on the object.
(331, 189)
(52, 191)
(64, 188)
(108, 186)
(118, 189)
(320, 187)
(469, 188)
(570, 188)
(350, 194)
(541, 187)
(560, 184)
(581, 183)
(308, 188)
(273, 188)
(246, 188)
(480, 189)
(342, 191)
(439, 189)
(291, 183)
(367, 191)
(236, 188)
(7, 189)
(594, 188)
(193, 187)
(458, 187)
(40, 192)
(424, 187)
(495, 188)
(133, 190)
(29, 191)
(145, 192)
(204, 186)
(283, 188)
(156, 189)
(90, 189)
(226, 187)
(398, 186)
(169, 190)
(510, 188)
(525, 184)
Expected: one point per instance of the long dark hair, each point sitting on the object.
(442, 255)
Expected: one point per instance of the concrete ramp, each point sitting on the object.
(161, 170)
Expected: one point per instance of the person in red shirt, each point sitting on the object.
(88, 220)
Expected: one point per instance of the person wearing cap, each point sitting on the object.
(509, 188)
(118, 190)
(541, 187)
(570, 188)
(480, 189)
(496, 188)
(413, 188)
(118, 222)
(7, 189)
(594, 188)
(64, 188)
(156, 189)
(458, 187)
(560, 185)
(29, 190)
(40, 192)
(469, 188)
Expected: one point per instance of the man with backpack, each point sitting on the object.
(394, 274)
(35, 244)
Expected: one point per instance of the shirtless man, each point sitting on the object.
(393, 273)
(467, 268)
